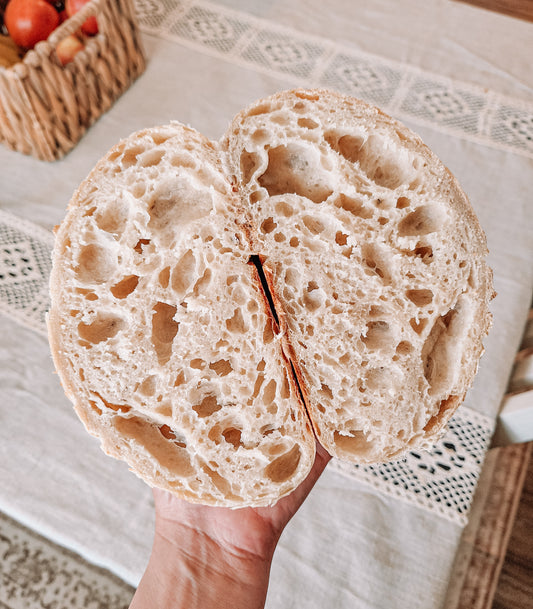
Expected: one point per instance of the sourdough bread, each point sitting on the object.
(363, 314)
(160, 333)
(377, 262)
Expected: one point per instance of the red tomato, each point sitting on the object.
(89, 26)
(30, 21)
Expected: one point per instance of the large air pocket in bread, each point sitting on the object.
(363, 315)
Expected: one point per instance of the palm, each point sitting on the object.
(252, 531)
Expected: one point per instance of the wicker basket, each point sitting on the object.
(45, 108)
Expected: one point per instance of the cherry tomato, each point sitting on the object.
(30, 21)
(68, 48)
(89, 26)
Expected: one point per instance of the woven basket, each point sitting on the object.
(45, 108)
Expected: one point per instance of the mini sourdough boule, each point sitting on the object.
(162, 332)
(377, 261)
(158, 331)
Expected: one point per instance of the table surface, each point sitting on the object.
(458, 76)
(515, 584)
(520, 9)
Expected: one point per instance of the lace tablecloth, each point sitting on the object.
(369, 537)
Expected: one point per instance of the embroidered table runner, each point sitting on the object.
(442, 480)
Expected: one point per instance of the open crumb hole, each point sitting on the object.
(129, 157)
(402, 203)
(207, 407)
(420, 298)
(441, 353)
(95, 264)
(197, 364)
(313, 298)
(354, 206)
(425, 252)
(166, 432)
(164, 277)
(150, 158)
(268, 225)
(326, 392)
(250, 161)
(183, 273)
(313, 225)
(341, 238)
(422, 221)
(125, 287)
(379, 335)
(102, 328)
(148, 386)
(418, 325)
(296, 169)
(404, 348)
(112, 218)
(269, 393)
(257, 385)
(222, 367)
(307, 123)
(284, 209)
(176, 203)
(283, 467)
(377, 261)
(202, 285)
(236, 323)
(164, 330)
(294, 242)
(219, 482)
(168, 455)
(180, 379)
(356, 443)
(232, 436)
(140, 245)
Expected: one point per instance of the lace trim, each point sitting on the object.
(406, 92)
(25, 264)
(442, 481)
(34, 572)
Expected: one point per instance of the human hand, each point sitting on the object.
(212, 557)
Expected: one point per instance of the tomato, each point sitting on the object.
(30, 21)
(89, 26)
(68, 48)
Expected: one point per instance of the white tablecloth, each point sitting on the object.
(457, 75)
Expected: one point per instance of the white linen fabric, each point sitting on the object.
(350, 545)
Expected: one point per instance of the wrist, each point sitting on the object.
(190, 569)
